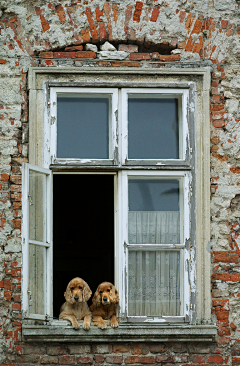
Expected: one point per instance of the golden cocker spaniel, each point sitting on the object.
(104, 305)
(76, 307)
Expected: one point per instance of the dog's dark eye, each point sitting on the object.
(72, 288)
(100, 292)
(80, 287)
(108, 290)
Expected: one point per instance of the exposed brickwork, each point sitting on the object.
(55, 34)
(123, 354)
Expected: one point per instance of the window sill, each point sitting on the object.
(124, 333)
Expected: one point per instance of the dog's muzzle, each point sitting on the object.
(76, 298)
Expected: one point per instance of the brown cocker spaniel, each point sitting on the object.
(104, 304)
(76, 307)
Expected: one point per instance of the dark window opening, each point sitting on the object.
(83, 232)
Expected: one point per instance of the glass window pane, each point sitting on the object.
(154, 212)
(154, 283)
(37, 273)
(83, 127)
(153, 128)
(37, 205)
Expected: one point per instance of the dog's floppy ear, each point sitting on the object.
(96, 298)
(86, 292)
(114, 295)
(68, 294)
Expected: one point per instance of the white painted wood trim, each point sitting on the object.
(47, 243)
(182, 95)
(38, 82)
(124, 246)
(51, 151)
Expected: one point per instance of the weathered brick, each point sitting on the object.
(61, 13)
(157, 348)
(49, 360)
(99, 358)
(64, 54)
(147, 359)
(198, 359)
(85, 35)
(155, 13)
(164, 358)
(169, 58)
(93, 29)
(132, 359)
(128, 48)
(140, 56)
(99, 14)
(86, 54)
(16, 307)
(139, 349)
(66, 360)
(101, 348)
(124, 63)
(138, 11)
(121, 348)
(28, 359)
(36, 349)
(224, 256)
(224, 331)
(218, 123)
(102, 32)
(47, 54)
(55, 351)
(114, 359)
(215, 359)
(74, 48)
(45, 24)
(85, 360)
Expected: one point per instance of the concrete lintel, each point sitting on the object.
(33, 71)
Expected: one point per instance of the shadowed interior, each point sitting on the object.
(83, 232)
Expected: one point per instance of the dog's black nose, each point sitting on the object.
(76, 298)
(105, 299)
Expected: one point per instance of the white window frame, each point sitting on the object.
(197, 81)
(183, 96)
(47, 243)
(185, 178)
(50, 151)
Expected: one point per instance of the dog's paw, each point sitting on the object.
(114, 323)
(86, 325)
(76, 325)
(102, 325)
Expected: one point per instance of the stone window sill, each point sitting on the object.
(61, 332)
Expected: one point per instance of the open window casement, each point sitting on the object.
(37, 242)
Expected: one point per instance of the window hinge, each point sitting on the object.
(29, 295)
(30, 200)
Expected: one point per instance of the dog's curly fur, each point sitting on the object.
(104, 305)
(76, 307)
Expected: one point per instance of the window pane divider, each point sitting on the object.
(36, 242)
(154, 246)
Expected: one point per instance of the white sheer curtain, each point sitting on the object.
(154, 276)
